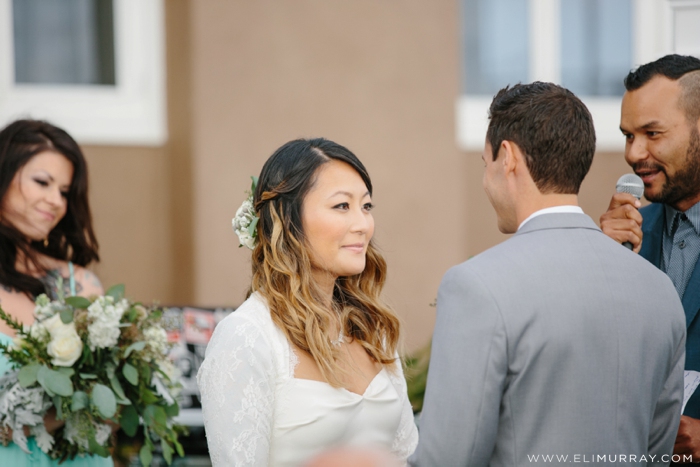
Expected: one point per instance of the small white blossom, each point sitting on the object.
(157, 339)
(244, 217)
(38, 331)
(172, 387)
(44, 308)
(104, 316)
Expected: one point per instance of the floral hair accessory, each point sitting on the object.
(246, 221)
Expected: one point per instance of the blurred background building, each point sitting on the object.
(178, 102)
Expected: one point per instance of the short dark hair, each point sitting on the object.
(73, 238)
(682, 68)
(671, 66)
(552, 127)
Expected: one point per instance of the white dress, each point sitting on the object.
(257, 414)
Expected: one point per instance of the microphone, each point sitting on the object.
(632, 184)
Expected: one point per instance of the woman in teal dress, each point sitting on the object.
(45, 234)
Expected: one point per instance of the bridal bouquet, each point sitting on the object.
(99, 362)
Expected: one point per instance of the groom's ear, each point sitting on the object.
(515, 160)
(512, 156)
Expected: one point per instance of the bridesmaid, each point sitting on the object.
(45, 234)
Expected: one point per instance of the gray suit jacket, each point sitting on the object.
(556, 342)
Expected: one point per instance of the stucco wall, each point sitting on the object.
(245, 77)
(377, 77)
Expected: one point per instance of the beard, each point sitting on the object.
(685, 183)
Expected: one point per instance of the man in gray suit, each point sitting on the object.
(550, 348)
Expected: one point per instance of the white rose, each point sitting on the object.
(65, 346)
(53, 324)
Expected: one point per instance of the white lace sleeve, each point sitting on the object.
(237, 382)
(406, 438)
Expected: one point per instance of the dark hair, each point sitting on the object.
(552, 127)
(73, 238)
(671, 66)
(288, 175)
(682, 68)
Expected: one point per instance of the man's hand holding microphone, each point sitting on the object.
(622, 221)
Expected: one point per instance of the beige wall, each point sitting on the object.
(378, 77)
(141, 197)
(245, 77)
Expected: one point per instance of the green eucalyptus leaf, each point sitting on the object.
(28, 374)
(167, 451)
(179, 448)
(88, 375)
(54, 382)
(145, 455)
(145, 372)
(154, 416)
(118, 390)
(80, 303)
(59, 407)
(149, 397)
(131, 374)
(97, 448)
(254, 184)
(136, 346)
(103, 399)
(66, 370)
(172, 410)
(251, 227)
(79, 401)
(129, 420)
(66, 315)
(111, 370)
(116, 292)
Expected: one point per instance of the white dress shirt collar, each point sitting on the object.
(552, 210)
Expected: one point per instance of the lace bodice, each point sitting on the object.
(257, 414)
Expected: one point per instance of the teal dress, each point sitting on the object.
(12, 455)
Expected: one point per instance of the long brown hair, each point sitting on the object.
(73, 238)
(282, 264)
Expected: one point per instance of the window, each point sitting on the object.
(588, 46)
(93, 67)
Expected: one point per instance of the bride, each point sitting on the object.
(309, 360)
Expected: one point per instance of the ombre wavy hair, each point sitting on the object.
(282, 264)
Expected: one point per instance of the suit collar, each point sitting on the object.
(558, 221)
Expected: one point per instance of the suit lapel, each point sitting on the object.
(691, 297)
(652, 228)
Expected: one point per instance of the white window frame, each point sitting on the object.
(132, 112)
(686, 33)
(651, 38)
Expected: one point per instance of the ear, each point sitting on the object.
(512, 156)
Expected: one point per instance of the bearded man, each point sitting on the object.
(661, 123)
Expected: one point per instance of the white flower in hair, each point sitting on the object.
(246, 221)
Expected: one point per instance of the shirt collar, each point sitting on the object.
(552, 210)
(693, 215)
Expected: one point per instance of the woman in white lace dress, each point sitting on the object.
(309, 361)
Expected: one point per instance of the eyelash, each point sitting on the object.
(44, 183)
(367, 206)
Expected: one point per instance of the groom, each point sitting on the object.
(559, 345)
